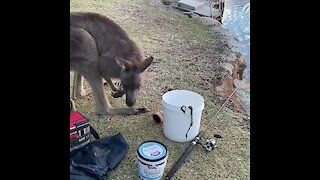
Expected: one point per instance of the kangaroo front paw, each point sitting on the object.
(117, 91)
(118, 84)
(117, 94)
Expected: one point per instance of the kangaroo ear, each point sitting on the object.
(145, 64)
(125, 64)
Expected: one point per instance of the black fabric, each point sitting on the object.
(94, 160)
(94, 133)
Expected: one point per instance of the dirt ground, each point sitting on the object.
(186, 55)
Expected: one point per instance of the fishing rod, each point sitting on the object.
(210, 144)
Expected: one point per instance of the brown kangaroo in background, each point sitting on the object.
(101, 49)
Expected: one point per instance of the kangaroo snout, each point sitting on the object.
(130, 98)
(130, 103)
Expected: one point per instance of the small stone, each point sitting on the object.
(166, 2)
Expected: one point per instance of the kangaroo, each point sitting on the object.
(101, 49)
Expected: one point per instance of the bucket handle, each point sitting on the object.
(183, 109)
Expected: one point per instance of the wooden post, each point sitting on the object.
(211, 12)
(220, 7)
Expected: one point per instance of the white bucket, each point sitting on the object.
(177, 114)
(152, 159)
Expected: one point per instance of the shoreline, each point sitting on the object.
(231, 68)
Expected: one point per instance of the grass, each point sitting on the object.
(185, 56)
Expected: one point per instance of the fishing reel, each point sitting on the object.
(211, 144)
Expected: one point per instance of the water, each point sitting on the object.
(236, 18)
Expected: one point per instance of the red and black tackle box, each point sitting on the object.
(80, 129)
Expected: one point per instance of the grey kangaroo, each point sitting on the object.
(101, 49)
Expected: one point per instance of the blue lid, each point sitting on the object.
(152, 150)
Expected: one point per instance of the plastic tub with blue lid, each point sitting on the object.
(152, 159)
